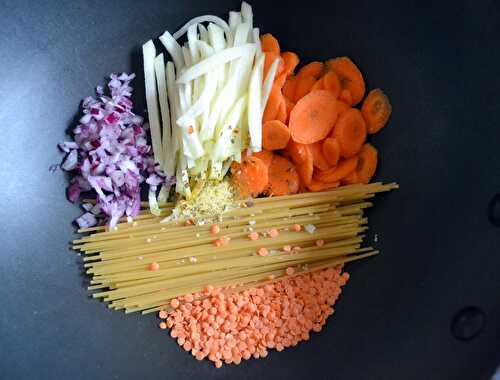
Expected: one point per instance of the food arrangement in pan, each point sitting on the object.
(257, 169)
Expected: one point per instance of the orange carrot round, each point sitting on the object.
(331, 83)
(275, 135)
(335, 174)
(273, 103)
(313, 117)
(331, 150)
(265, 156)
(367, 163)
(291, 61)
(314, 69)
(250, 176)
(268, 61)
(283, 177)
(350, 132)
(319, 85)
(319, 160)
(303, 87)
(321, 186)
(301, 156)
(346, 97)
(269, 43)
(289, 87)
(282, 114)
(350, 77)
(376, 110)
(351, 179)
(289, 106)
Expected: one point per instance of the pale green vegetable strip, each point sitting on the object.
(255, 108)
(209, 64)
(149, 54)
(198, 20)
(174, 104)
(246, 13)
(173, 49)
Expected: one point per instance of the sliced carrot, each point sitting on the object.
(319, 85)
(291, 61)
(350, 132)
(313, 117)
(265, 156)
(313, 69)
(319, 160)
(273, 104)
(282, 115)
(250, 176)
(269, 43)
(331, 150)
(275, 135)
(331, 83)
(335, 174)
(289, 107)
(289, 87)
(346, 96)
(283, 177)
(304, 85)
(376, 110)
(367, 163)
(351, 179)
(342, 106)
(268, 61)
(350, 77)
(302, 157)
(321, 186)
(280, 79)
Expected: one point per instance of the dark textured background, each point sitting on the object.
(439, 65)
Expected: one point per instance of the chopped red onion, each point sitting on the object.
(111, 154)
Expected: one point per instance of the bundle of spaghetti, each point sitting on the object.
(310, 231)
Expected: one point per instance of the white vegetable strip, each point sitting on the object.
(149, 54)
(223, 144)
(173, 49)
(246, 13)
(216, 37)
(198, 20)
(201, 104)
(174, 103)
(255, 108)
(192, 35)
(203, 33)
(268, 83)
(256, 41)
(168, 150)
(211, 63)
(234, 20)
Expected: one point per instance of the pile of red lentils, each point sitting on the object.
(231, 327)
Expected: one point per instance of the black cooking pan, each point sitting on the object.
(427, 308)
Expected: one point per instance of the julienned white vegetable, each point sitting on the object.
(200, 19)
(211, 63)
(255, 109)
(149, 53)
(215, 91)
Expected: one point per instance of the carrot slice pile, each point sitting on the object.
(289, 87)
(265, 156)
(302, 157)
(313, 69)
(250, 176)
(275, 135)
(350, 77)
(367, 164)
(331, 150)
(303, 87)
(283, 177)
(273, 104)
(350, 132)
(282, 113)
(319, 160)
(291, 60)
(376, 110)
(321, 186)
(331, 83)
(313, 117)
(335, 174)
(269, 43)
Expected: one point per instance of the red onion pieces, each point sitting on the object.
(110, 153)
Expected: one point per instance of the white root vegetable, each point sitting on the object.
(149, 54)
(198, 20)
(173, 48)
(246, 13)
(255, 107)
(268, 83)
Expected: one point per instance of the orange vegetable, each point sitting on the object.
(282, 114)
(367, 163)
(319, 85)
(321, 186)
(313, 117)
(351, 179)
(331, 150)
(302, 157)
(314, 69)
(350, 132)
(273, 103)
(350, 77)
(331, 83)
(291, 61)
(319, 159)
(250, 176)
(342, 106)
(268, 61)
(265, 155)
(283, 177)
(289, 87)
(280, 79)
(275, 135)
(335, 174)
(376, 110)
(269, 43)
(289, 106)
(303, 87)
(346, 96)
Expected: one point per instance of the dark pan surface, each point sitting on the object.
(437, 61)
